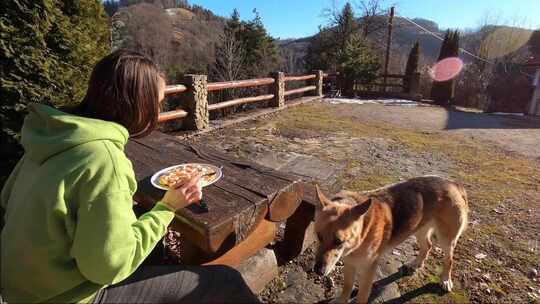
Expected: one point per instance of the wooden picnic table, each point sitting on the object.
(244, 206)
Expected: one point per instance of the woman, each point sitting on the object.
(70, 230)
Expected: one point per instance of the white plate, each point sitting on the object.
(155, 178)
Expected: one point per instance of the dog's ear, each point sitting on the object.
(360, 209)
(323, 200)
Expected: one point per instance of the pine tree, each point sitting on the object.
(412, 65)
(346, 25)
(442, 92)
(261, 52)
(47, 51)
(357, 63)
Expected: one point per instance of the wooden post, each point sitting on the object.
(196, 102)
(318, 82)
(388, 43)
(278, 89)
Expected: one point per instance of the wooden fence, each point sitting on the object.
(395, 88)
(194, 90)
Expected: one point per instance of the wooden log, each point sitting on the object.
(285, 202)
(298, 78)
(262, 235)
(215, 86)
(175, 89)
(239, 101)
(170, 115)
(300, 90)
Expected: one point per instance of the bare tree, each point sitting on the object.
(230, 58)
(370, 19)
(150, 31)
(292, 61)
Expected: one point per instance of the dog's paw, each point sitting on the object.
(447, 285)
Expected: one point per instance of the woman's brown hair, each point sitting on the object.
(124, 88)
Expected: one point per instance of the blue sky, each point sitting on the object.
(299, 18)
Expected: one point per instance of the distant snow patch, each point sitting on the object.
(387, 102)
(503, 113)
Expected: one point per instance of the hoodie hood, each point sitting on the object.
(47, 131)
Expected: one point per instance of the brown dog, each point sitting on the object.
(361, 227)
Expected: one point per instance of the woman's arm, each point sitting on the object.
(110, 242)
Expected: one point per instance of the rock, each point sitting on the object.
(487, 277)
(485, 287)
(303, 292)
(480, 256)
(396, 252)
(251, 269)
(497, 211)
(533, 273)
(533, 295)
(296, 276)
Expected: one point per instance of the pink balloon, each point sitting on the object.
(446, 69)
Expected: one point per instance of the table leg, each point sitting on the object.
(295, 231)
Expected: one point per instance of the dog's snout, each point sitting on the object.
(318, 268)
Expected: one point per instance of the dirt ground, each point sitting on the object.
(360, 147)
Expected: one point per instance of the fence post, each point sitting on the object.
(195, 100)
(318, 82)
(278, 89)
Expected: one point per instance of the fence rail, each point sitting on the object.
(170, 115)
(298, 78)
(300, 90)
(175, 89)
(239, 101)
(215, 86)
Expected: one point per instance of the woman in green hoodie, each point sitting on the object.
(70, 233)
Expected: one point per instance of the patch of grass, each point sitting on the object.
(488, 229)
(498, 174)
(367, 182)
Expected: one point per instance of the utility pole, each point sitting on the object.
(388, 43)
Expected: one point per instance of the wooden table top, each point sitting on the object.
(246, 194)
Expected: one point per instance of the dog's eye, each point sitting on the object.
(337, 242)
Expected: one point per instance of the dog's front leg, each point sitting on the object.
(365, 280)
(349, 277)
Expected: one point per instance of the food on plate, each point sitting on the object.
(182, 174)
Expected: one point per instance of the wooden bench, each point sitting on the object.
(245, 205)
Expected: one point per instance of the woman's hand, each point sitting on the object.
(184, 195)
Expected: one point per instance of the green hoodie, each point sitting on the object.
(69, 227)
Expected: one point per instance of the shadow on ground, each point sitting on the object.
(469, 120)
(378, 287)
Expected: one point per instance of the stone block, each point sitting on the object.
(259, 269)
